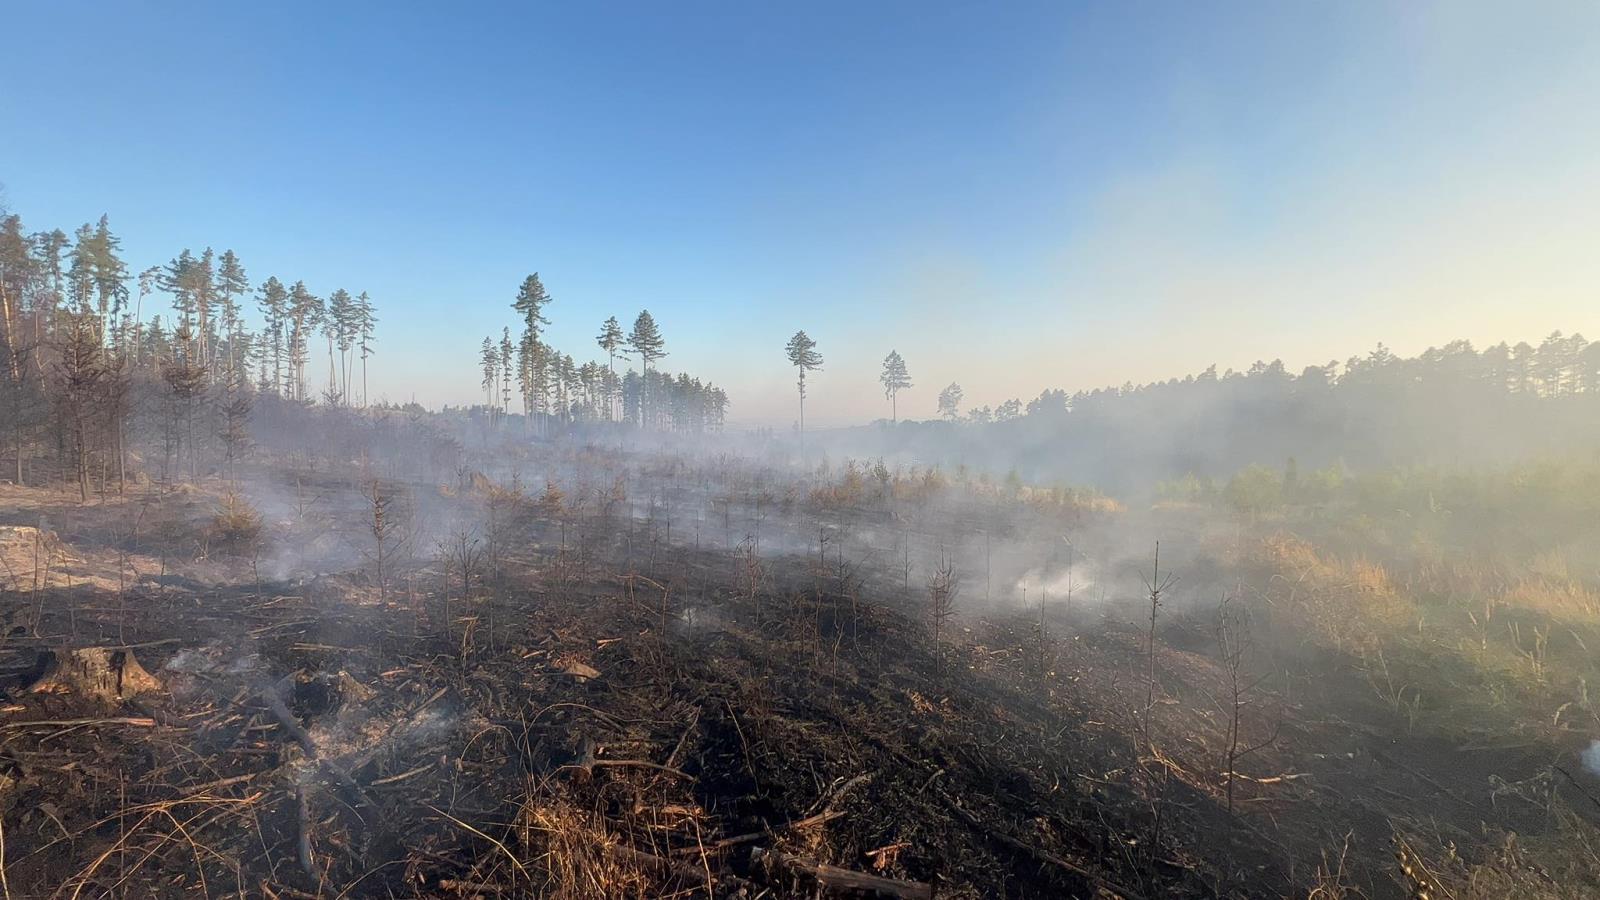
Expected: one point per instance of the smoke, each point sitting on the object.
(1591, 759)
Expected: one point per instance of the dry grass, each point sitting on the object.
(1561, 864)
(1564, 598)
(573, 855)
(1350, 605)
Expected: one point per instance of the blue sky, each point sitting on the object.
(1015, 196)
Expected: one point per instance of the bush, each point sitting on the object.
(236, 528)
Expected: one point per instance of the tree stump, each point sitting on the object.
(105, 674)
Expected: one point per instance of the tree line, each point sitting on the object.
(1452, 404)
(86, 379)
(552, 391)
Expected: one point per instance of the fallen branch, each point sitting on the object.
(1271, 779)
(285, 718)
(302, 814)
(404, 775)
(132, 721)
(469, 887)
(836, 878)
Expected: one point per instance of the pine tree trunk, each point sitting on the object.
(83, 468)
(8, 323)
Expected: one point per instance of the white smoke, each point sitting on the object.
(1591, 759)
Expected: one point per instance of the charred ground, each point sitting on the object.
(666, 674)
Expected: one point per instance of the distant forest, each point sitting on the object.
(1451, 405)
(98, 385)
(92, 379)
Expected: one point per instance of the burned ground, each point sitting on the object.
(608, 705)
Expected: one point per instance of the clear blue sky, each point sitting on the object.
(1015, 196)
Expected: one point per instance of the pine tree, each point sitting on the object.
(611, 340)
(645, 340)
(17, 277)
(803, 355)
(950, 402)
(80, 389)
(505, 371)
(185, 375)
(159, 346)
(895, 379)
(235, 405)
(50, 288)
(491, 369)
(202, 286)
(305, 314)
(366, 323)
(80, 272)
(109, 274)
(149, 279)
(231, 283)
(274, 304)
(339, 327)
(177, 279)
(531, 301)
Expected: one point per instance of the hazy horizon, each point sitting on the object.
(1044, 197)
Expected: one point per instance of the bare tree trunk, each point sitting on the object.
(9, 324)
(82, 466)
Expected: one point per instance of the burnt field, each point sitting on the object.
(661, 674)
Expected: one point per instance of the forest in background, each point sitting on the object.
(93, 369)
(1448, 406)
(97, 384)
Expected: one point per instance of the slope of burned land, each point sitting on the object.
(579, 734)
(569, 699)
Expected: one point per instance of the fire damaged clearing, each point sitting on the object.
(319, 741)
(585, 706)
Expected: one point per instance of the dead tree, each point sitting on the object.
(236, 404)
(942, 589)
(1042, 631)
(1233, 646)
(382, 526)
(461, 552)
(1156, 586)
(753, 573)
